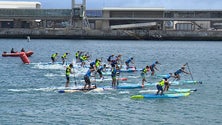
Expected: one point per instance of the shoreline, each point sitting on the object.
(161, 35)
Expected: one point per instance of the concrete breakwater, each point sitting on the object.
(110, 34)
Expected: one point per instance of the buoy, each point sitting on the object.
(24, 58)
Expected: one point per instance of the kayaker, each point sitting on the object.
(160, 85)
(153, 67)
(130, 60)
(143, 74)
(68, 72)
(12, 50)
(87, 78)
(22, 50)
(53, 57)
(181, 70)
(64, 57)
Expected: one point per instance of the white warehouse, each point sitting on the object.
(19, 5)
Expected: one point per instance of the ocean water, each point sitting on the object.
(29, 93)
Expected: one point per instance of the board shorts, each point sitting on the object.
(87, 80)
(53, 59)
(142, 75)
(99, 71)
(67, 77)
(152, 69)
(159, 87)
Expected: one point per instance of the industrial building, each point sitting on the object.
(29, 15)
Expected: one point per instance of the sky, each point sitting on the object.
(99, 4)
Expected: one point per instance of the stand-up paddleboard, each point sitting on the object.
(176, 82)
(184, 82)
(80, 90)
(105, 79)
(174, 95)
(129, 86)
(169, 91)
(159, 76)
(134, 86)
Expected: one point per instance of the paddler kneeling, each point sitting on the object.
(160, 85)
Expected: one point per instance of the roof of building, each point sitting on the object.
(155, 9)
(18, 4)
(133, 9)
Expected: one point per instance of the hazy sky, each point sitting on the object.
(168, 4)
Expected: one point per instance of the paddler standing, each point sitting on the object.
(160, 85)
(77, 55)
(100, 70)
(68, 72)
(181, 70)
(87, 78)
(130, 60)
(114, 71)
(53, 57)
(143, 74)
(64, 57)
(153, 67)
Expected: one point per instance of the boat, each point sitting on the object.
(171, 90)
(173, 95)
(16, 54)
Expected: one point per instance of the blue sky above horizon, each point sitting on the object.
(99, 4)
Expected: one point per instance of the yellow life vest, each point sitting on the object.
(68, 70)
(161, 83)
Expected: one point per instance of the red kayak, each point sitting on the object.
(28, 53)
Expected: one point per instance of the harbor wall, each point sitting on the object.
(110, 34)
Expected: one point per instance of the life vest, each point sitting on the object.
(84, 58)
(97, 63)
(53, 55)
(64, 56)
(162, 82)
(77, 55)
(144, 71)
(68, 70)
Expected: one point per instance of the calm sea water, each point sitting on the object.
(28, 93)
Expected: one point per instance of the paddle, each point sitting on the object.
(74, 77)
(190, 71)
(117, 81)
